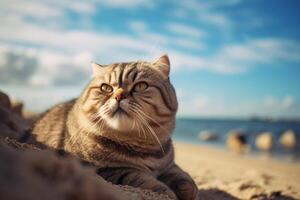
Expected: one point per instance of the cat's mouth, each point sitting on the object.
(119, 111)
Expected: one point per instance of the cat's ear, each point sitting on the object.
(97, 69)
(162, 65)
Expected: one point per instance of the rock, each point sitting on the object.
(288, 139)
(4, 100)
(11, 124)
(17, 107)
(208, 136)
(236, 142)
(264, 141)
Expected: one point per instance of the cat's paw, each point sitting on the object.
(164, 190)
(186, 190)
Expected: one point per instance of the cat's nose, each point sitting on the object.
(119, 94)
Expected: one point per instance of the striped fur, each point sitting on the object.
(122, 122)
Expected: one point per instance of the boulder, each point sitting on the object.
(17, 107)
(4, 100)
(11, 124)
(264, 141)
(236, 142)
(208, 136)
(288, 139)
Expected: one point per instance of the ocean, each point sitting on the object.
(188, 130)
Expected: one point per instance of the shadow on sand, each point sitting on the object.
(213, 194)
(216, 194)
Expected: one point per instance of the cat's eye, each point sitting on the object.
(106, 88)
(141, 86)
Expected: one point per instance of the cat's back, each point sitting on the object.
(50, 128)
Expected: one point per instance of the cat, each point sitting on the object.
(122, 123)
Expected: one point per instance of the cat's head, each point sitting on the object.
(131, 101)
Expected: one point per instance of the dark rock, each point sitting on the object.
(236, 142)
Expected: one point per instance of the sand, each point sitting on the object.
(221, 174)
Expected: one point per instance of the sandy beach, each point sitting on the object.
(221, 174)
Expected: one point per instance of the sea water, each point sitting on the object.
(188, 130)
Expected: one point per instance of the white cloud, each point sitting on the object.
(31, 8)
(237, 58)
(183, 29)
(44, 10)
(204, 105)
(213, 18)
(288, 102)
(188, 43)
(142, 30)
(207, 12)
(285, 103)
(126, 3)
(138, 26)
(58, 48)
(199, 6)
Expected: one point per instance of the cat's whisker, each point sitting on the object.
(134, 125)
(151, 131)
(150, 118)
(138, 124)
(154, 135)
(138, 109)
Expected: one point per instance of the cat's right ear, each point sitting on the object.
(97, 69)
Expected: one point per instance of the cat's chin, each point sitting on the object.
(120, 121)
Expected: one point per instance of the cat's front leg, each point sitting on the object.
(135, 178)
(180, 182)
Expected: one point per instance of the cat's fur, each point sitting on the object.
(122, 123)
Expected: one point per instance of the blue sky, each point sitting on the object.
(233, 58)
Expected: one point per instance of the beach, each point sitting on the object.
(221, 174)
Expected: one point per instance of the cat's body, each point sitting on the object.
(122, 123)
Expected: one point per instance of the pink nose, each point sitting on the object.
(119, 94)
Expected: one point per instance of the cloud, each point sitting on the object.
(286, 103)
(183, 29)
(138, 26)
(207, 13)
(237, 58)
(204, 105)
(216, 19)
(16, 66)
(194, 5)
(44, 9)
(188, 43)
(126, 3)
(70, 51)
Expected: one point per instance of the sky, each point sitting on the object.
(233, 58)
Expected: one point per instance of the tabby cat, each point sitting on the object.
(122, 123)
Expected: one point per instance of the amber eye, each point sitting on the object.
(141, 86)
(106, 88)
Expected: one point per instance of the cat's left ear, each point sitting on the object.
(97, 69)
(162, 65)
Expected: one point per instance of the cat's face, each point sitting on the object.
(133, 100)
